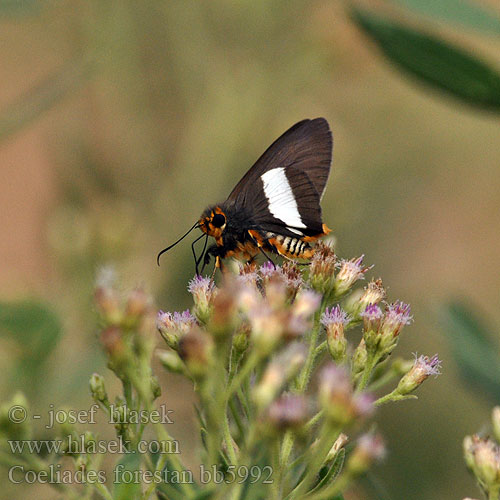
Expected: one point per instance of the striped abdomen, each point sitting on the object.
(293, 248)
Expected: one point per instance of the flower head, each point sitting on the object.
(336, 394)
(293, 278)
(373, 293)
(173, 326)
(138, 304)
(306, 303)
(372, 317)
(203, 290)
(248, 274)
(423, 368)
(196, 350)
(334, 321)
(369, 448)
(288, 411)
(267, 327)
(267, 269)
(322, 268)
(350, 271)
(334, 316)
(107, 297)
(280, 370)
(483, 458)
(396, 316)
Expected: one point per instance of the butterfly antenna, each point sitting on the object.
(195, 225)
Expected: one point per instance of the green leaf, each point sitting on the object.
(330, 474)
(461, 12)
(126, 488)
(33, 325)
(474, 350)
(434, 61)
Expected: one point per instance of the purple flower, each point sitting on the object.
(422, 368)
(203, 290)
(200, 285)
(373, 293)
(350, 271)
(337, 396)
(336, 315)
(173, 326)
(322, 268)
(372, 317)
(288, 411)
(370, 447)
(430, 366)
(396, 316)
(268, 269)
(306, 303)
(247, 274)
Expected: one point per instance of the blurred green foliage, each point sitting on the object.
(476, 352)
(469, 14)
(433, 60)
(35, 330)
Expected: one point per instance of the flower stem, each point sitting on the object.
(371, 362)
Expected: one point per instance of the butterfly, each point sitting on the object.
(275, 207)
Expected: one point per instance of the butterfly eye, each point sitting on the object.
(218, 220)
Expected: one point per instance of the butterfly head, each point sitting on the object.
(213, 221)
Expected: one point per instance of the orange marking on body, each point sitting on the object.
(326, 229)
(306, 253)
(243, 250)
(314, 238)
(256, 236)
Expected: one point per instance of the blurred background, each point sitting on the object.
(121, 121)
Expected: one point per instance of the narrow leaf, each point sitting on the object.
(434, 61)
(330, 474)
(474, 350)
(462, 12)
(125, 488)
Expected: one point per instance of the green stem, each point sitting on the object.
(383, 380)
(305, 374)
(236, 416)
(313, 421)
(321, 348)
(494, 493)
(226, 432)
(103, 491)
(327, 437)
(247, 368)
(393, 396)
(371, 362)
(159, 466)
(331, 490)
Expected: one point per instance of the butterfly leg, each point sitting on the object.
(216, 251)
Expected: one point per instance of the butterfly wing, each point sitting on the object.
(307, 146)
(284, 187)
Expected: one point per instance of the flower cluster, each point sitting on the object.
(252, 346)
(252, 343)
(482, 457)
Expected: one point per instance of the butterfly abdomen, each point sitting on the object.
(292, 248)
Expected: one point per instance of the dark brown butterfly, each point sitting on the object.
(276, 205)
